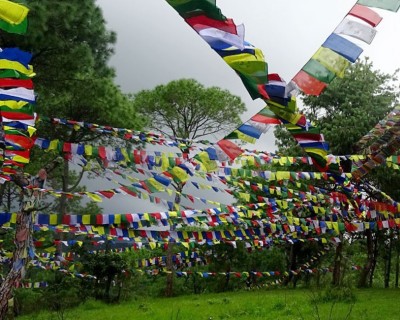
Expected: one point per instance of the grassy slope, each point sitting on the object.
(273, 304)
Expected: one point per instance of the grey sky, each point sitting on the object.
(156, 46)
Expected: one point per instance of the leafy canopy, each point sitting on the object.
(186, 109)
(348, 108)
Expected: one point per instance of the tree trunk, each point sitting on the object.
(374, 258)
(337, 268)
(169, 288)
(292, 264)
(24, 248)
(65, 185)
(368, 264)
(388, 260)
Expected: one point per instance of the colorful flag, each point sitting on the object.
(308, 84)
(214, 35)
(366, 14)
(332, 61)
(12, 13)
(342, 46)
(229, 148)
(391, 5)
(356, 30)
(318, 71)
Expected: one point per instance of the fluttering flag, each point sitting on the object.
(229, 148)
(332, 61)
(266, 116)
(201, 22)
(356, 30)
(308, 84)
(214, 35)
(12, 13)
(13, 17)
(391, 5)
(342, 46)
(366, 14)
(16, 94)
(315, 69)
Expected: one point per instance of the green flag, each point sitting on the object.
(14, 28)
(391, 5)
(318, 71)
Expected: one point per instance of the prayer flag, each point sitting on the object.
(366, 14)
(202, 22)
(212, 35)
(391, 5)
(332, 61)
(342, 46)
(230, 149)
(12, 13)
(318, 71)
(308, 84)
(356, 30)
(266, 116)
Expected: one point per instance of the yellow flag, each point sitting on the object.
(13, 65)
(53, 144)
(12, 12)
(332, 61)
(179, 174)
(94, 197)
(86, 219)
(88, 150)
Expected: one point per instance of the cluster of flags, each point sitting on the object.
(330, 61)
(17, 97)
(392, 119)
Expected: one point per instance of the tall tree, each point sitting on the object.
(186, 109)
(71, 47)
(345, 112)
(351, 106)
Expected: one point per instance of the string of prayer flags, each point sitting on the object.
(380, 128)
(383, 152)
(17, 97)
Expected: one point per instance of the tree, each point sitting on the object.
(345, 112)
(71, 47)
(186, 109)
(351, 106)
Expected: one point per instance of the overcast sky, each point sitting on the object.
(156, 46)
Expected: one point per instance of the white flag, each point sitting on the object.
(212, 34)
(356, 30)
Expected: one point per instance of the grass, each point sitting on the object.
(279, 304)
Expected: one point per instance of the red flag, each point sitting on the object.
(231, 149)
(308, 84)
(201, 22)
(366, 14)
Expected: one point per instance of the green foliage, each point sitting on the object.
(335, 294)
(71, 48)
(348, 108)
(186, 109)
(351, 106)
(108, 268)
(261, 304)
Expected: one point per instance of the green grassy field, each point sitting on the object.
(261, 304)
